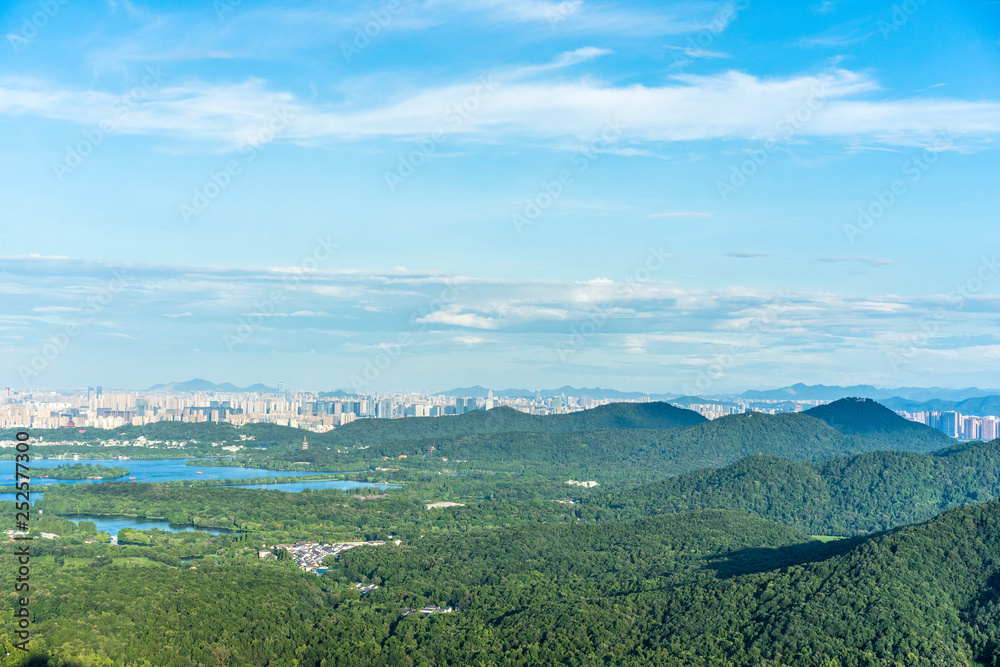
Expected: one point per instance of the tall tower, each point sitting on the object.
(305, 444)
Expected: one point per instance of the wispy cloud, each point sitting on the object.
(867, 261)
(691, 108)
(597, 17)
(664, 322)
(695, 52)
(845, 34)
(743, 254)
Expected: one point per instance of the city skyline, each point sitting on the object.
(420, 194)
(318, 413)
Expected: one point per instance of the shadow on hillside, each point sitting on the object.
(752, 561)
(36, 659)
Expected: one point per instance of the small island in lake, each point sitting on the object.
(81, 471)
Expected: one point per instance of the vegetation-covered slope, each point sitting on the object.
(864, 417)
(693, 589)
(844, 496)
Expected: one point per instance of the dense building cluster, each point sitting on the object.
(320, 412)
(309, 555)
(96, 408)
(957, 425)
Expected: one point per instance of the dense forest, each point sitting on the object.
(81, 471)
(873, 421)
(690, 589)
(777, 540)
(613, 443)
(624, 455)
(844, 496)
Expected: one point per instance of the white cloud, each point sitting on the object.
(690, 108)
(459, 319)
(470, 340)
(596, 18)
(581, 55)
(694, 52)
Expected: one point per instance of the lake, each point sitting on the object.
(112, 524)
(168, 470)
(151, 470)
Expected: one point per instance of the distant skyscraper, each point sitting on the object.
(989, 429)
(951, 423)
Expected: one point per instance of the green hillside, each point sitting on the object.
(864, 417)
(616, 416)
(844, 496)
(627, 454)
(698, 589)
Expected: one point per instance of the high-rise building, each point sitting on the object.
(951, 423)
(988, 428)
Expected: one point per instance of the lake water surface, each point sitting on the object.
(168, 470)
(152, 470)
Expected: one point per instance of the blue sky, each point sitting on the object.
(419, 194)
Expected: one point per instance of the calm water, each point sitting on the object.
(148, 470)
(112, 524)
(167, 470)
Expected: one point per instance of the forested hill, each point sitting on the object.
(622, 442)
(844, 496)
(864, 417)
(611, 455)
(924, 595)
(614, 416)
(707, 588)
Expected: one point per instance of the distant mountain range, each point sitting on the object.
(821, 392)
(478, 391)
(980, 406)
(204, 385)
(970, 401)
